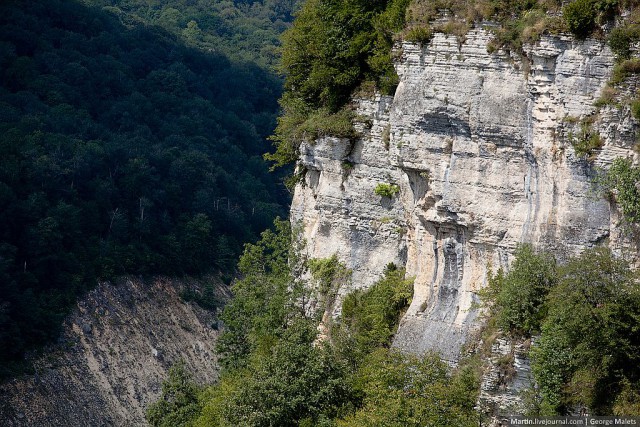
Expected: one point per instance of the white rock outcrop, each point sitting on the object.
(479, 145)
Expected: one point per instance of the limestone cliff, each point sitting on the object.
(480, 147)
(115, 350)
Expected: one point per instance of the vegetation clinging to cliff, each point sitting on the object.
(332, 48)
(586, 314)
(278, 371)
(386, 190)
(518, 295)
(370, 317)
(622, 181)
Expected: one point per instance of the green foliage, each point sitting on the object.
(285, 374)
(635, 108)
(620, 40)
(587, 141)
(622, 179)
(178, 403)
(121, 152)
(624, 69)
(628, 401)
(580, 16)
(263, 299)
(268, 348)
(386, 190)
(330, 274)
(551, 366)
(322, 123)
(626, 32)
(294, 128)
(586, 313)
(403, 390)
(521, 21)
(420, 35)
(608, 96)
(590, 342)
(242, 30)
(371, 386)
(370, 317)
(520, 294)
(295, 381)
(268, 345)
(205, 292)
(332, 48)
(334, 45)
(527, 28)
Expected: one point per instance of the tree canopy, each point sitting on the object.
(584, 316)
(246, 30)
(331, 49)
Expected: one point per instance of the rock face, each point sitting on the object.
(480, 147)
(115, 351)
(506, 381)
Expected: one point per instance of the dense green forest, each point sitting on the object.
(124, 150)
(247, 30)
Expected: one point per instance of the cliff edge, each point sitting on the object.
(481, 149)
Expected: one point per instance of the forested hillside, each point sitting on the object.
(246, 30)
(124, 150)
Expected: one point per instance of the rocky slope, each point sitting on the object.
(116, 349)
(480, 147)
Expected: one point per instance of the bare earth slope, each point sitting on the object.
(116, 349)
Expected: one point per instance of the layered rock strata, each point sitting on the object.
(116, 349)
(480, 146)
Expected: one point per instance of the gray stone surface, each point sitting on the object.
(506, 381)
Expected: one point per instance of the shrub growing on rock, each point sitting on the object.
(580, 16)
(386, 190)
(522, 291)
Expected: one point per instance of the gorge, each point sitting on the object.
(478, 151)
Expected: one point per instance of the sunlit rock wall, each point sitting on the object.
(479, 145)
